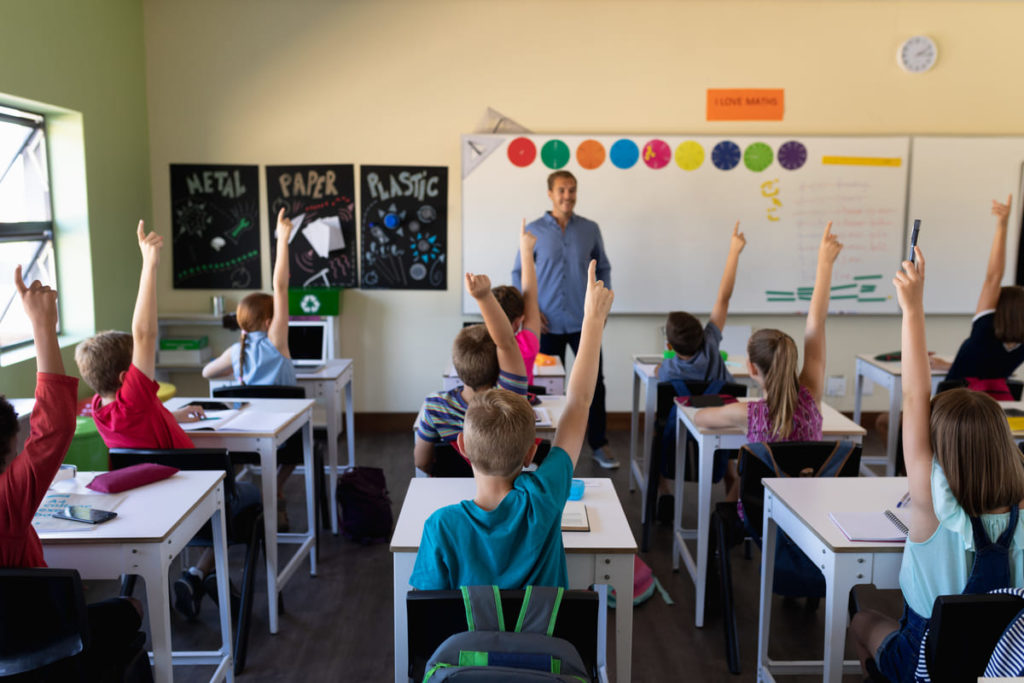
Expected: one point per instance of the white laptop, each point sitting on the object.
(307, 342)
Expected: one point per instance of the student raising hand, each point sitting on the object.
(830, 246)
(478, 286)
(1002, 211)
(284, 226)
(527, 240)
(40, 304)
(598, 301)
(909, 283)
(150, 245)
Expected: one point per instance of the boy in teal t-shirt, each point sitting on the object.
(510, 534)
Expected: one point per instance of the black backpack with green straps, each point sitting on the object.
(487, 652)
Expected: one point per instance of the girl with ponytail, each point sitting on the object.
(261, 356)
(789, 410)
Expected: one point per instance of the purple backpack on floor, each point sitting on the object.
(364, 505)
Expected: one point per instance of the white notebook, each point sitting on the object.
(541, 417)
(887, 527)
(574, 516)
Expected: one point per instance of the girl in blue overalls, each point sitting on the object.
(966, 481)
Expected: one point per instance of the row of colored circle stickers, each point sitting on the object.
(689, 155)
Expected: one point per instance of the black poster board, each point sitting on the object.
(320, 200)
(404, 227)
(215, 215)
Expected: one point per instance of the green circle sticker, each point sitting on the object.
(555, 154)
(758, 156)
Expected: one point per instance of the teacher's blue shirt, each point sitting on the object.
(562, 258)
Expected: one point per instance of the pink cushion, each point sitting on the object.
(131, 477)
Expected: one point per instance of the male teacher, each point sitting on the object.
(566, 243)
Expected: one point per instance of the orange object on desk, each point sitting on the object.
(544, 359)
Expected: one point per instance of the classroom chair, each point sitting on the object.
(433, 616)
(449, 463)
(795, 575)
(291, 448)
(963, 631)
(1015, 386)
(244, 522)
(43, 625)
(664, 463)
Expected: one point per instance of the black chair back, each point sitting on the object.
(964, 629)
(795, 459)
(448, 463)
(260, 391)
(1015, 386)
(433, 616)
(42, 622)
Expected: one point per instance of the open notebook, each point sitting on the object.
(887, 527)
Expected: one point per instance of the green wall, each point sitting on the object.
(87, 56)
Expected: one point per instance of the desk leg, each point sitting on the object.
(650, 401)
(768, 535)
(350, 440)
(617, 571)
(858, 392)
(311, 501)
(333, 405)
(268, 487)
(403, 564)
(895, 402)
(840, 578)
(153, 570)
(634, 427)
(705, 459)
(220, 555)
(677, 510)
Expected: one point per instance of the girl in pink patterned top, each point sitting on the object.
(789, 410)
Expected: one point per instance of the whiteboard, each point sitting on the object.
(666, 217)
(952, 184)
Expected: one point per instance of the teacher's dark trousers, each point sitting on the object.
(554, 345)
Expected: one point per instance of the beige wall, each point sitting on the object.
(86, 58)
(391, 82)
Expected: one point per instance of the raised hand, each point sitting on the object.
(909, 283)
(150, 245)
(527, 240)
(830, 246)
(478, 286)
(738, 241)
(598, 301)
(1002, 211)
(284, 226)
(39, 302)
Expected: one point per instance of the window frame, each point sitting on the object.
(39, 231)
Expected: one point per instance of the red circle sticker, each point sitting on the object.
(522, 152)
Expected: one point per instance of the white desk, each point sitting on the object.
(800, 507)
(834, 426)
(889, 375)
(551, 377)
(604, 555)
(285, 416)
(153, 525)
(326, 384)
(555, 406)
(645, 381)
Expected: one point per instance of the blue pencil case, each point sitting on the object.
(576, 490)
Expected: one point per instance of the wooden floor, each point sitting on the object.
(337, 626)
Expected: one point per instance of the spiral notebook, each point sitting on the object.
(885, 527)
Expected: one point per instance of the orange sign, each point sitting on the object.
(743, 104)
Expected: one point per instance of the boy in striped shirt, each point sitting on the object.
(485, 356)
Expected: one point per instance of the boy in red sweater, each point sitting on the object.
(25, 479)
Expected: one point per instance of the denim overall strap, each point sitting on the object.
(991, 568)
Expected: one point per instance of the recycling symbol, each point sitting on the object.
(309, 304)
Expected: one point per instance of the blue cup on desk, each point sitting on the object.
(576, 489)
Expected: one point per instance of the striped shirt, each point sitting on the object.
(441, 417)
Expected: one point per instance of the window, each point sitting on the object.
(26, 224)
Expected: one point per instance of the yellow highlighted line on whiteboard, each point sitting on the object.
(862, 161)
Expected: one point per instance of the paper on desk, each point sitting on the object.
(542, 417)
(255, 420)
(215, 420)
(574, 516)
(55, 502)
